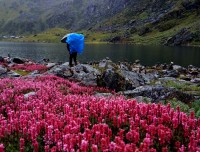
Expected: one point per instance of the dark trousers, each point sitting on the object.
(73, 56)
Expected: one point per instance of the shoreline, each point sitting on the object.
(112, 43)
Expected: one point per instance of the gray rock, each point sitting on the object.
(172, 73)
(179, 68)
(83, 73)
(13, 74)
(102, 64)
(1, 59)
(143, 99)
(120, 80)
(105, 63)
(133, 78)
(111, 79)
(29, 94)
(50, 65)
(149, 77)
(196, 80)
(2, 70)
(103, 95)
(158, 93)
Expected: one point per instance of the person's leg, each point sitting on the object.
(70, 60)
(75, 58)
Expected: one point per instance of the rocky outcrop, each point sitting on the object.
(183, 37)
(159, 93)
(82, 73)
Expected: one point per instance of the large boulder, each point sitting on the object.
(112, 80)
(120, 79)
(82, 73)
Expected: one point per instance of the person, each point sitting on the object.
(75, 45)
(72, 56)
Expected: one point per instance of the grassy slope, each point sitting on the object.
(190, 20)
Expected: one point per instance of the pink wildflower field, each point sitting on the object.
(63, 116)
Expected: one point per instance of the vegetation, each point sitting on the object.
(139, 22)
(62, 113)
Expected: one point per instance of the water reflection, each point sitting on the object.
(148, 55)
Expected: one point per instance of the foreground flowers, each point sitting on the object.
(52, 114)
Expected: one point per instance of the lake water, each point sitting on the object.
(148, 55)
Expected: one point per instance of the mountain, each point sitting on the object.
(173, 22)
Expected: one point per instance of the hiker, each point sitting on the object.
(75, 45)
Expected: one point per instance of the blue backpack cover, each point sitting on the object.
(76, 42)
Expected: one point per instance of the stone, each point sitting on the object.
(196, 80)
(2, 70)
(182, 37)
(103, 95)
(172, 73)
(158, 93)
(1, 59)
(179, 68)
(29, 94)
(18, 60)
(50, 65)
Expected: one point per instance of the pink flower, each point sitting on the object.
(1, 148)
(94, 148)
(84, 146)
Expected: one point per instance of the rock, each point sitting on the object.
(83, 73)
(50, 65)
(137, 61)
(29, 94)
(115, 39)
(133, 79)
(103, 95)
(185, 77)
(167, 79)
(18, 60)
(179, 68)
(143, 99)
(106, 64)
(181, 38)
(13, 74)
(196, 80)
(149, 77)
(144, 31)
(158, 93)
(1, 59)
(172, 73)
(120, 79)
(113, 80)
(123, 67)
(102, 64)
(2, 70)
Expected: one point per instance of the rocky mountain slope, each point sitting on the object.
(136, 21)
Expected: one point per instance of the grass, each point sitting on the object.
(187, 108)
(22, 72)
(183, 86)
(50, 36)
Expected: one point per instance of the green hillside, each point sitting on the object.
(169, 22)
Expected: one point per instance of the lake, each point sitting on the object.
(148, 55)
